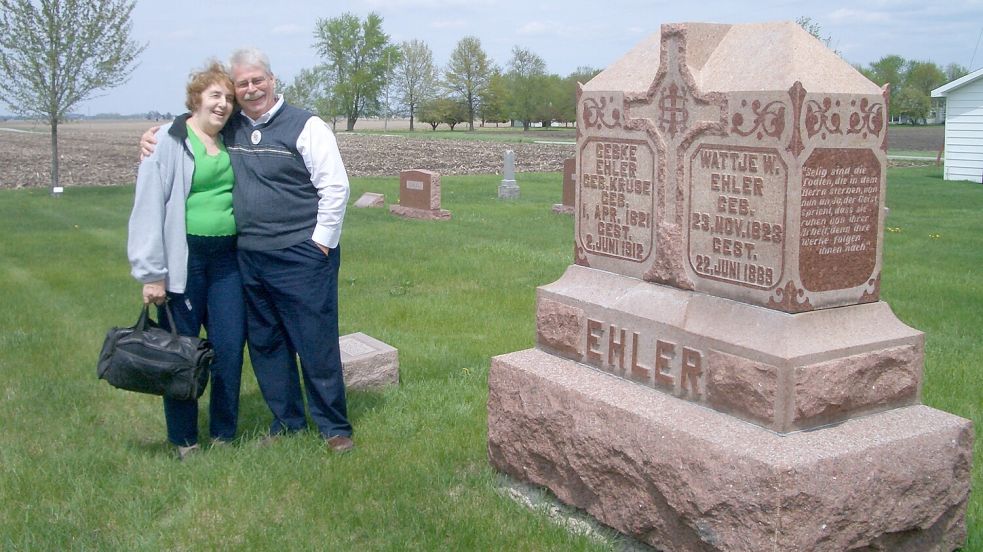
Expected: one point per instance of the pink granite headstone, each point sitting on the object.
(731, 180)
(569, 188)
(419, 196)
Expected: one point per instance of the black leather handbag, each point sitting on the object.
(149, 359)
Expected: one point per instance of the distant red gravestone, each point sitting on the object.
(569, 193)
(419, 196)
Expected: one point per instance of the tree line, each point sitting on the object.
(55, 54)
(364, 74)
(911, 84)
(911, 81)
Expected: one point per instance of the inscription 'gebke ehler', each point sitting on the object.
(616, 198)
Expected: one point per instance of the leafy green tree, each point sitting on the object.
(527, 83)
(55, 54)
(467, 74)
(912, 104)
(925, 76)
(491, 101)
(357, 54)
(455, 112)
(566, 99)
(954, 71)
(443, 110)
(429, 112)
(311, 90)
(889, 70)
(415, 75)
(866, 71)
(551, 109)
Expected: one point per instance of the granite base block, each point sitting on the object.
(682, 477)
(370, 200)
(368, 363)
(423, 214)
(785, 372)
(508, 189)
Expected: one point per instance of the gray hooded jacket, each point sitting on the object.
(157, 244)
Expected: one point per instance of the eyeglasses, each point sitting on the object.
(256, 82)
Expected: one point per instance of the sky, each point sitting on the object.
(181, 35)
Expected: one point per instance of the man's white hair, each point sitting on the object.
(250, 56)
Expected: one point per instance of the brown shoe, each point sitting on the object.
(340, 443)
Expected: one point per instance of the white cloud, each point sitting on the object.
(179, 34)
(533, 28)
(289, 29)
(429, 4)
(846, 15)
(449, 24)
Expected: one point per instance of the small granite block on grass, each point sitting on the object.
(367, 362)
(370, 199)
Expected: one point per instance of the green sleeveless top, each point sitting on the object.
(209, 206)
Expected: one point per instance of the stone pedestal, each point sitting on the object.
(423, 214)
(508, 190)
(782, 371)
(684, 478)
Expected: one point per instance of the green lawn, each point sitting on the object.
(86, 467)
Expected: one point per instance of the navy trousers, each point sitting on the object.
(212, 298)
(292, 305)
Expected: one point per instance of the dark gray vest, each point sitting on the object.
(274, 201)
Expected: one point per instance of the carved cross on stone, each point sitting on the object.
(673, 105)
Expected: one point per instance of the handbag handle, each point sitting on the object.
(141, 324)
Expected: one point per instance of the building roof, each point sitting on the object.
(946, 89)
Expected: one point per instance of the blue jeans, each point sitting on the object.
(292, 301)
(213, 299)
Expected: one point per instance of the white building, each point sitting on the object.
(963, 127)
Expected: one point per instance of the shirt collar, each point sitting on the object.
(265, 117)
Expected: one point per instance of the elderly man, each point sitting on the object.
(289, 201)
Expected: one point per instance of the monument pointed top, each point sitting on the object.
(748, 57)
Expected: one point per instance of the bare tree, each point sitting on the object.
(467, 73)
(55, 54)
(415, 75)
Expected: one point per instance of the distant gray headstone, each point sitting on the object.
(508, 189)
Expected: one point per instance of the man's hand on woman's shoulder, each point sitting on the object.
(148, 142)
